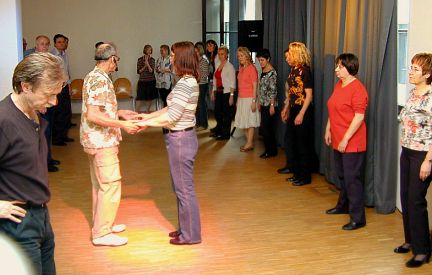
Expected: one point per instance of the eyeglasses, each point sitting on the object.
(415, 69)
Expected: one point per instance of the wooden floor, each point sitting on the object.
(253, 221)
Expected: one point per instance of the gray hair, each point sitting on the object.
(39, 68)
(105, 51)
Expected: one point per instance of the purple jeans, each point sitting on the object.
(182, 148)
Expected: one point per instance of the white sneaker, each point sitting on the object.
(110, 240)
(117, 228)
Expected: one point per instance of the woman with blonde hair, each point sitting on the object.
(247, 117)
(298, 114)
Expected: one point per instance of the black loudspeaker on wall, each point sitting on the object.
(250, 34)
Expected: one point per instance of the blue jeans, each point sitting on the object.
(182, 148)
(35, 236)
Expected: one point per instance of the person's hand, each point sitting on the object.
(425, 170)
(140, 116)
(212, 96)
(142, 128)
(284, 114)
(253, 107)
(342, 145)
(327, 137)
(272, 110)
(231, 100)
(130, 127)
(127, 114)
(11, 210)
(299, 119)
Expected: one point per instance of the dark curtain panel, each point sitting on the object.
(368, 29)
(285, 21)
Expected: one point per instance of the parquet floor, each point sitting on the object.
(253, 221)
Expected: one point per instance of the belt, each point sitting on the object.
(30, 205)
(166, 131)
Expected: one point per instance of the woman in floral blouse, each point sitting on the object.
(268, 103)
(415, 161)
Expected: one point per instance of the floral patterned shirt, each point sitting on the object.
(267, 88)
(98, 90)
(416, 119)
(299, 79)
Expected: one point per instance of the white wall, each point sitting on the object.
(130, 24)
(11, 43)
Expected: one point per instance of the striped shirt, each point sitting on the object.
(182, 103)
(146, 75)
(204, 71)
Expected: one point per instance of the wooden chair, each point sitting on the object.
(76, 89)
(123, 90)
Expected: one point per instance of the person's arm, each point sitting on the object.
(95, 116)
(126, 114)
(272, 87)
(425, 168)
(255, 100)
(160, 119)
(327, 136)
(352, 129)
(285, 110)
(140, 66)
(299, 118)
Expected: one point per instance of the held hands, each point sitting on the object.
(272, 110)
(9, 210)
(231, 100)
(127, 114)
(130, 127)
(425, 170)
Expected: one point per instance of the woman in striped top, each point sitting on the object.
(178, 121)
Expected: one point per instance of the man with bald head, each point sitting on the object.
(42, 44)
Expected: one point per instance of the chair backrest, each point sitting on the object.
(123, 87)
(76, 88)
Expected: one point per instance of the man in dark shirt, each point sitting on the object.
(24, 189)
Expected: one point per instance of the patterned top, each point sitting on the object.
(204, 71)
(146, 75)
(182, 103)
(267, 88)
(163, 80)
(416, 119)
(299, 79)
(98, 90)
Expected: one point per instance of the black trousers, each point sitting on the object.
(268, 125)
(163, 93)
(299, 144)
(48, 116)
(349, 172)
(413, 198)
(35, 236)
(62, 116)
(201, 111)
(222, 114)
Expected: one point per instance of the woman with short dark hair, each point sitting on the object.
(346, 133)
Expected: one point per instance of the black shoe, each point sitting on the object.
(417, 263)
(214, 135)
(284, 170)
(266, 155)
(336, 210)
(292, 179)
(401, 249)
(68, 139)
(222, 138)
(353, 225)
(59, 143)
(52, 168)
(300, 182)
(53, 162)
(73, 124)
(213, 130)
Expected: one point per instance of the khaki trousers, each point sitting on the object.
(106, 184)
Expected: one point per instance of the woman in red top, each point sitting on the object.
(346, 133)
(247, 116)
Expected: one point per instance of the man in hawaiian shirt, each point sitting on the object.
(100, 136)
